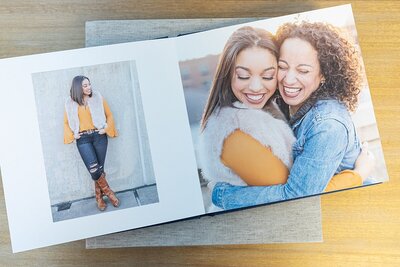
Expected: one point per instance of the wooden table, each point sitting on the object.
(361, 227)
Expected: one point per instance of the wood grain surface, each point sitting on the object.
(361, 227)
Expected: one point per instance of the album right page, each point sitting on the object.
(280, 109)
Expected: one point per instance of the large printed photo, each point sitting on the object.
(280, 109)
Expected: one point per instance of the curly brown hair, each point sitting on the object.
(337, 56)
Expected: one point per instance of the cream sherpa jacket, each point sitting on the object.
(96, 108)
(269, 131)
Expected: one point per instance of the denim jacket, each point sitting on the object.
(326, 144)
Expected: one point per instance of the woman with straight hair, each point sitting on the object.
(88, 121)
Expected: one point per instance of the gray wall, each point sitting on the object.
(128, 161)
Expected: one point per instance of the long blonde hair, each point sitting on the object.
(221, 91)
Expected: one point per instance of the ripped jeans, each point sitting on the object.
(93, 148)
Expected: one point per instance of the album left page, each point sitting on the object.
(95, 141)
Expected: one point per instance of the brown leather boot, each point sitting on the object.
(102, 182)
(99, 197)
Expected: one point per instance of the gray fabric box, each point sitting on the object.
(287, 222)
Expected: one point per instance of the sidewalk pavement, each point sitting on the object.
(84, 207)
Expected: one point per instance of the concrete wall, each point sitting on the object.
(128, 162)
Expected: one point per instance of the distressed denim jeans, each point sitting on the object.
(93, 148)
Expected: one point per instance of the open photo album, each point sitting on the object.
(118, 137)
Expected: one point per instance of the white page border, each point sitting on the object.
(22, 165)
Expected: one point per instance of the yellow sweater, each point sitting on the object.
(258, 166)
(86, 123)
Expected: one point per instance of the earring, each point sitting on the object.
(322, 84)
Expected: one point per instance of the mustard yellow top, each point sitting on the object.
(258, 166)
(86, 123)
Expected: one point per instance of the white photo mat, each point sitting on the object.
(24, 147)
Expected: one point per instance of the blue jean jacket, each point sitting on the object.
(326, 144)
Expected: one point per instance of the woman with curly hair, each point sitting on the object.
(319, 79)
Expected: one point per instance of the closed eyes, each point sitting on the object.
(248, 77)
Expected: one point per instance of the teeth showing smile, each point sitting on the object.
(255, 97)
(289, 90)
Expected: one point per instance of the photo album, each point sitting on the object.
(118, 137)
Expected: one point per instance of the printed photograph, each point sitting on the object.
(94, 140)
(280, 109)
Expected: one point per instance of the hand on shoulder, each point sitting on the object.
(365, 163)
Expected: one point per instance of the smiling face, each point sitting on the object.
(254, 78)
(86, 87)
(299, 73)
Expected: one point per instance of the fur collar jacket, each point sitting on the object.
(261, 125)
(96, 108)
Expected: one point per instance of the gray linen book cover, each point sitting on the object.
(293, 221)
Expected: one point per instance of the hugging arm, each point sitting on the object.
(253, 162)
(311, 172)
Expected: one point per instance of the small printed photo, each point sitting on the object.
(280, 109)
(94, 140)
